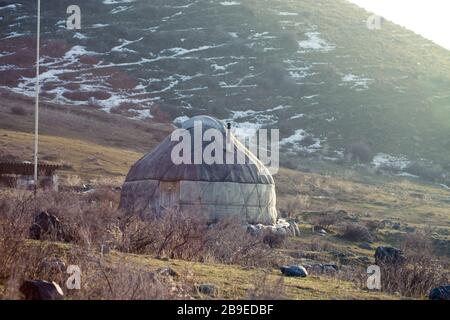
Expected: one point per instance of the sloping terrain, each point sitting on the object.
(309, 67)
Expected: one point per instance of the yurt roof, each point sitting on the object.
(158, 165)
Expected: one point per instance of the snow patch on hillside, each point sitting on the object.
(357, 82)
(230, 3)
(117, 1)
(293, 142)
(390, 161)
(314, 42)
(285, 13)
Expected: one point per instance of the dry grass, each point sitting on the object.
(420, 272)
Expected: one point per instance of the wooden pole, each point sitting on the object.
(37, 88)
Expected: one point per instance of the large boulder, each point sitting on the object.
(389, 255)
(47, 225)
(41, 290)
(294, 271)
(440, 293)
(208, 289)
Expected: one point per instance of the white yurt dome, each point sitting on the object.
(242, 189)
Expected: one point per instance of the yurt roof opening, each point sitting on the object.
(241, 189)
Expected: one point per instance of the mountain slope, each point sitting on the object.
(309, 65)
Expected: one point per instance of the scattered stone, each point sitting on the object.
(87, 188)
(41, 290)
(167, 271)
(253, 230)
(294, 271)
(293, 226)
(281, 232)
(389, 255)
(365, 245)
(396, 226)
(320, 231)
(323, 268)
(208, 289)
(46, 224)
(440, 293)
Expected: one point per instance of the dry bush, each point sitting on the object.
(266, 289)
(356, 232)
(420, 272)
(124, 280)
(274, 240)
(189, 236)
(85, 222)
(295, 205)
(359, 151)
(324, 221)
(16, 213)
(19, 111)
(19, 261)
(374, 225)
(229, 242)
(174, 234)
(101, 278)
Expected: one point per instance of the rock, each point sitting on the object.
(294, 271)
(208, 289)
(320, 231)
(365, 245)
(253, 230)
(396, 226)
(330, 268)
(46, 224)
(41, 290)
(295, 229)
(281, 232)
(323, 268)
(440, 293)
(389, 255)
(167, 271)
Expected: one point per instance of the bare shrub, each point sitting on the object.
(125, 280)
(19, 111)
(358, 151)
(189, 236)
(173, 234)
(101, 278)
(426, 170)
(266, 289)
(420, 272)
(324, 221)
(274, 240)
(16, 213)
(229, 242)
(356, 232)
(295, 205)
(374, 225)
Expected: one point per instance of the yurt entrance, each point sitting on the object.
(169, 195)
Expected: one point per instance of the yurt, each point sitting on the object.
(242, 188)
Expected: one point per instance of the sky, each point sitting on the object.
(429, 18)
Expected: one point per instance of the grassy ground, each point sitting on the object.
(234, 281)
